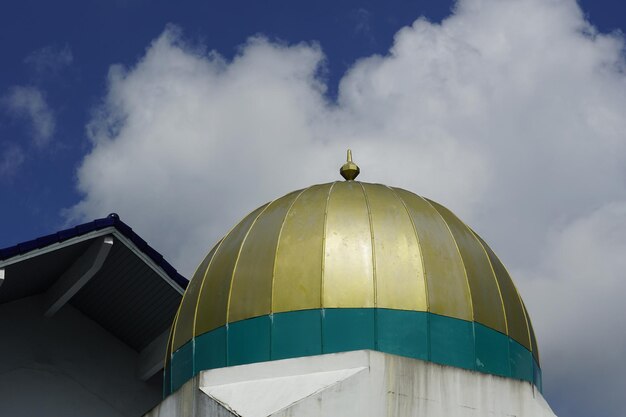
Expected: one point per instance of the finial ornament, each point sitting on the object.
(349, 170)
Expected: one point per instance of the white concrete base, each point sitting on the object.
(352, 384)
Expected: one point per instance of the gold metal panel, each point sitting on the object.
(348, 274)
(168, 351)
(516, 321)
(252, 279)
(298, 267)
(183, 330)
(398, 266)
(213, 300)
(447, 289)
(533, 340)
(486, 301)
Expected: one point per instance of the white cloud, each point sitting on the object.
(50, 59)
(28, 103)
(511, 113)
(576, 292)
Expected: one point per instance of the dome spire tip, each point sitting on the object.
(349, 170)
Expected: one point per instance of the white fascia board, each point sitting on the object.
(56, 246)
(148, 261)
(111, 230)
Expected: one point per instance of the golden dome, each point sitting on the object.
(351, 247)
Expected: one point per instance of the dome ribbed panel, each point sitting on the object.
(398, 265)
(168, 352)
(447, 289)
(213, 300)
(533, 340)
(486, 300)
(347, 277)
(183, 328)
(251, 291)
(297, 278)
(515, 316)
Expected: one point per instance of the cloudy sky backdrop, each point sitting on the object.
(512, 113)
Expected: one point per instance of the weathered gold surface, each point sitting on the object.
(170, 338)
(251, 293)
(183, 330)
(486, 301)
(533, 340)
(515, 315)
(298, 267)
(213, 300)
(351, 244)
(447, 288)
(398, 266)
(348, 274)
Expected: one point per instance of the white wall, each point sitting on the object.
(66, 366)
(351, 384)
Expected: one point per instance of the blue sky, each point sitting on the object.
(101, 33)
(182, 116)
(98, 34)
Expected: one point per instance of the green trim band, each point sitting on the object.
(419, 335)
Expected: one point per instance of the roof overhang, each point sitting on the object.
(108, 273)
(88, 237)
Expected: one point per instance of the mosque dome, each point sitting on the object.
(347, 266)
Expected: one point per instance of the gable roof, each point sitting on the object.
(112, 220)
(103, 269)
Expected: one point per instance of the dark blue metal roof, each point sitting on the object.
(112, 220)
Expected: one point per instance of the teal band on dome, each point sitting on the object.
(419, 335)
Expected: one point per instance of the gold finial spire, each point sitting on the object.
(349, 170)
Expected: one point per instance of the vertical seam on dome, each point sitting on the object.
(525, 313)
(426, 289)
(180, 305)
(506, 321)
(530, 342)
(175, 323)
(456, 245)
(322, 307)
(206, 271)
(528, 324)
(330, 190)
(171, 339)
(195, 315)
(232, 276)
(192, 340)
(419, 245)
(374, 277)
(372, 243)
(169, 350)
(280, 233)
